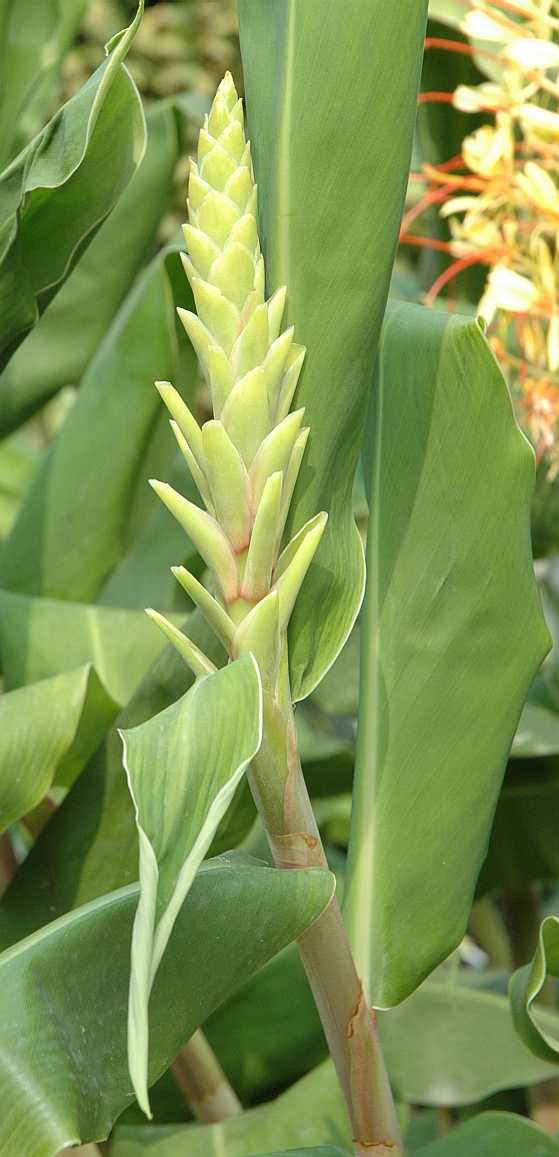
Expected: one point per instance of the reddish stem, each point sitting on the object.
(434, 197)
(435, 98)
(452, 271)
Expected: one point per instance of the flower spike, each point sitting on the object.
(244, 461)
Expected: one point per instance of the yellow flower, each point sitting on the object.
(484, 97)
(479, 25)
(490, 151)
(508, 291)
(532, 55)
(542, 121)
(539, 188)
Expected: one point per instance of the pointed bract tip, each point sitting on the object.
(227, 91)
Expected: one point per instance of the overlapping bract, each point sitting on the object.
(245, 460)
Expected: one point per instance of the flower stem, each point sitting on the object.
(200, 1077)
(349, 1025)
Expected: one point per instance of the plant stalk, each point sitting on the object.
(200, 1077)
(349, 1024)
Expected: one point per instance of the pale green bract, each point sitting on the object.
(245, 461)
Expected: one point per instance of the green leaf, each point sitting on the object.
(62, 186)
(469, 1051)
(493, 1135)
(19, 459)
(90, 845)
(469, 1047)
(331, 133)
(523, 844)
(44, 637)
(537, 733)
(32, 40)
(527, 985)
(311, 1113)
(183, 768)
(261, 1054)
(451, 601)
(48, 731)
(101, 455)
(68, 1087)
(320, 1152)
(58, 350)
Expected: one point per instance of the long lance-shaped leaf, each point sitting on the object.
(452, 635)
(311, 1112)
(62, 186)
(33, 38)
(330, 109)
(90, 846)
(117, 419)
(48, 731)
(67, 1087)
(86, 305)
(183, 768)
(44, 637)
(527, 985)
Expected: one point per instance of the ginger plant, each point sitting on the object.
(245, 462)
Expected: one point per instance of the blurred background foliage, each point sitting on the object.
(77, 395)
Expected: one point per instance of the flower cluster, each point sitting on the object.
(245, 460)
(501, 198)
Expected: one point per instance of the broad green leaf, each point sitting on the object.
(66, 1087)
(322, 1151)
(537, 733)
(59, 189)
(527, 985)
(261, 1054)
(90, 845)
(331, 108)
(43, 637)
(183, 768)
(310, 1113)
(469, 1051)
(48, 731)
(19, 460)
(32, 40)
(452, 635)
(523, 845)
(493, 1135)
(101, 455)
(66, 337)
(469, 1046)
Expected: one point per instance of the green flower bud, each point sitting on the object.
(275, 452)
(228, 482)
(198, 662)
(294, 563)
(207, 536)
(212, 611)
(259, 634)
(266, 536)
(245, 462)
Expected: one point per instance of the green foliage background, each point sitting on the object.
(85, 546)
